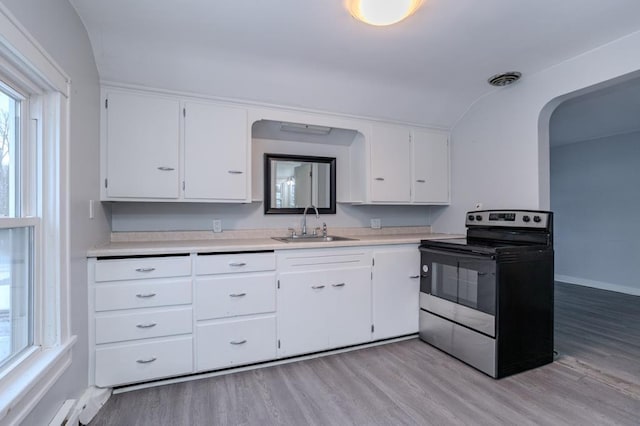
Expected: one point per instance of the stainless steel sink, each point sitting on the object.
(313, 239)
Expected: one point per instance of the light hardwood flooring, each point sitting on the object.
(594, 381)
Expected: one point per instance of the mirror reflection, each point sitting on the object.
(293, 182)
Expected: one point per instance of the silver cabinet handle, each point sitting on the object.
(237, 294)
(421, 181)
(379, 178)
(235, 172)
(148, 325)
(238, 342)
(145, 295)
(414, 277)
(145, 269)
(146, 361)
(166, 169)
(338, 285)
(238, 264)
(317, 287)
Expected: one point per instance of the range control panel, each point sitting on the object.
(509, 218)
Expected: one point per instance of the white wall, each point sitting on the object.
(56, 26)
(500, 147)
(594, 194)
(184, 217)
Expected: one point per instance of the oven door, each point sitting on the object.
(459, 287)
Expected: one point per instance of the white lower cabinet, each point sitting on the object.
(139, 361)
(324, 300)
(235, 309)
(396, 290)
(160, 317)
(236, 341)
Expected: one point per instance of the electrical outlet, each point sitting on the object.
(478, 206)
(375, 223)
(217, 225)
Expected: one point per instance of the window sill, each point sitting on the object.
(23, 387)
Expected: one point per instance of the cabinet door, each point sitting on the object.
(143, 135)
(396, 290)
(216, 145)
(430, 158)
(349, 306)
(390, 164)
(302, 312)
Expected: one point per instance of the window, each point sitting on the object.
(35, 337)
(16, 235)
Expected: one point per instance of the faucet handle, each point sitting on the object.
(293, 232)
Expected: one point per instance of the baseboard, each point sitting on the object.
(634, 291)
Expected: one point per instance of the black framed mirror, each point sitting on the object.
(293, 182)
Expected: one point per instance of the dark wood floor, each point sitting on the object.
(594, 381)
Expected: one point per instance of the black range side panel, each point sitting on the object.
(525, 311)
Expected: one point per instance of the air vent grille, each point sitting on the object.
(504, 79)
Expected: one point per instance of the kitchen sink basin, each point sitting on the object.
(313, 239)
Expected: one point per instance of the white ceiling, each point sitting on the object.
(428, 69)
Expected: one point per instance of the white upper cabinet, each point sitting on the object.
(390, 172)
(402, 165)
(142, 146)
(162, 148)
(215, 152)
(430, 167)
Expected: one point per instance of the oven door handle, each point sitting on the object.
(458, 254)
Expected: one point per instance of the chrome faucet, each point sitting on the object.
(304, 218)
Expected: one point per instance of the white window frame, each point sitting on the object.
(27, 65)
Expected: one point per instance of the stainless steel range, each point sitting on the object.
(488, 299)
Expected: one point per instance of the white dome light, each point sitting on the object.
(382, 12)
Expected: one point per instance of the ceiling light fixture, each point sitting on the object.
(382, 12)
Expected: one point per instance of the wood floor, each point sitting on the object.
(594, 381)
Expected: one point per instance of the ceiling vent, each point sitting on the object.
(504, 79)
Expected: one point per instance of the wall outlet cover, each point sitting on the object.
(375, 223)
(217, 225)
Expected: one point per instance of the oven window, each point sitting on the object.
(471, 284)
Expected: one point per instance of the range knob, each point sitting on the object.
(470, 217)
(537, 219)
(478, 217)
(526, 218)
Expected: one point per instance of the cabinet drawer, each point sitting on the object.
(230, 263)
(137, 362)
(322, 259)
(141, 268)
(235, 342)
(142, 325)
(242, 294)
(142, 294)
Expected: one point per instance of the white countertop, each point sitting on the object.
(159, 247)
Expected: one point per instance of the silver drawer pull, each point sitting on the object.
(238, 264)
(235, 172)
(238, 342)
(338, 285)
(421, 181)
(166, 169)
(237, 294)
(414, 277)
(145, 295)
(145, 269)
(317, 287)
(379, 178)
(146, 361)
(148, 325)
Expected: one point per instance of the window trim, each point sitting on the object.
(27, 64)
